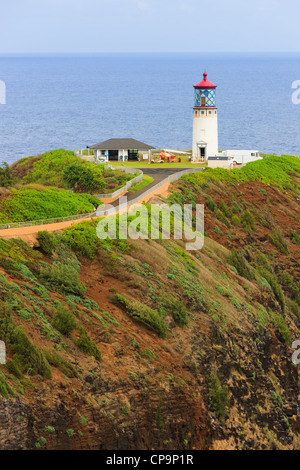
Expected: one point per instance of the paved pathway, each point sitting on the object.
(29, 234)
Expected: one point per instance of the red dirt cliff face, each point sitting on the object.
(224, 381)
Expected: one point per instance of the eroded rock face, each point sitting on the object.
(16, 425)
(139, 418)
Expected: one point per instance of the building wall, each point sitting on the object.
(205, 128)
(227, 164)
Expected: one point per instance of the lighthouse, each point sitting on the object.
(205, 120)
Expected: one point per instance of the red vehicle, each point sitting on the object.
(169, 157)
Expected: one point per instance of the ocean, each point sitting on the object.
(74, 101)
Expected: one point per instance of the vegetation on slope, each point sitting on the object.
(60, 168)
(274, 170)
(36, 202)
(199, 341)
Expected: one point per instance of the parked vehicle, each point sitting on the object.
(168, 157)
(241, 157)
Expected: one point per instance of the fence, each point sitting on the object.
(54, 220)
(133, 182)
(103, 211)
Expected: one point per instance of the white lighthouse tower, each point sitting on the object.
(205, 120)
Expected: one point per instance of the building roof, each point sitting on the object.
(205, 83)
(120, 144)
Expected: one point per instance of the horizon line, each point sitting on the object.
(148, 52)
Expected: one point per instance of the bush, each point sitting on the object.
(243, 268)
(278, 240)
(225, 209)
(27, 356)
(63, 277)
(212, 206)
(235, 220)
(5, 389)
(295, 237)
(64, 321)
(144, 314)
(6, 178)
(86, 345)
(222, 217)
(47, 242)
(248, 222)
(219, 396)
(62, 364)
(84, 178)
(82, 239)
(279, 322)
(175, 308)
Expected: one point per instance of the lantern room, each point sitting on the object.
(205, 93)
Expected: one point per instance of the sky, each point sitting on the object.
(106, 26)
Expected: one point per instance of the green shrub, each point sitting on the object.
(27, 356)
(82, 239)
(5, 389)
(86, 345)
(225, 209)
(295, 237)
(248, 222)
(263, 191)
(212, 206)
(175, 308)
(243, 268)
(235, 220)
(222, 217)
(6, 177)
(47, 242)
(219, 396)
(144, 314)
(84, 178)
(280, 323)
(63, 277)
(14, 368)
(61, 363)
(64, 321)
(218, 230)
(279, 241)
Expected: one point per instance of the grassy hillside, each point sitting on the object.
(36, 202)
(55, 184)
(140, 344)
(54, 169)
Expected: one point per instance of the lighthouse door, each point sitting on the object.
(202, 150)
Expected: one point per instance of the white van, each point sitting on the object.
(241, 157)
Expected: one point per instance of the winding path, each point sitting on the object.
(29, 234)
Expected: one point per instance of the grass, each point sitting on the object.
(272, 169)
(36, 202)
(62, 169)
(146, 181)
(185, 163)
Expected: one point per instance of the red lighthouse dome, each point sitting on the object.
(205, 84)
